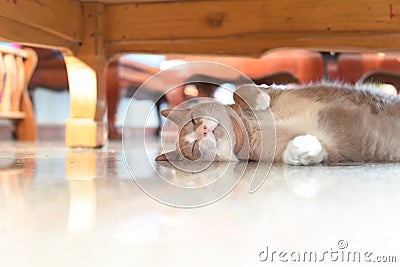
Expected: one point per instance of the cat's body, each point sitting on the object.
(313, 123)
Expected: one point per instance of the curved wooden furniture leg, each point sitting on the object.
(26, 128)
(87, 87)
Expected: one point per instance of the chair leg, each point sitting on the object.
(26, 128)
(113, 98)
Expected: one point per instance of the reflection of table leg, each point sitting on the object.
(84, 166)
(82, 207)
(87, 83)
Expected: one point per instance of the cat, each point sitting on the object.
(310, 124)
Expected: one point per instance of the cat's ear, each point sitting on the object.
(175, 115)
(171, 155)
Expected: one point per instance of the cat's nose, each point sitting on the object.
(203, 130)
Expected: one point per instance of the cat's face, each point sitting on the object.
(205, 133)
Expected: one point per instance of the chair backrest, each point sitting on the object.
(16, 68)
(353, 67)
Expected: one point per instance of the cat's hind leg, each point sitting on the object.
(304, 150)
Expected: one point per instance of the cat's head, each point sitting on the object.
(206, 133)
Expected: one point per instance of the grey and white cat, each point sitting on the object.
(310, 124)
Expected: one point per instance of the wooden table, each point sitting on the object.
(90, 33)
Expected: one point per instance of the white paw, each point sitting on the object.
(304, 150)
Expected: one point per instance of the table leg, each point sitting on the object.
(85, 126)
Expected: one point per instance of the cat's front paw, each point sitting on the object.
(304, 150)
(252, 97)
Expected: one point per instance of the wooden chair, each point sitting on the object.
(16, 68)
(382, 77)
(352, 67)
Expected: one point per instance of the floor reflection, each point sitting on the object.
(82, 208)
(84, 165)
(16, 174)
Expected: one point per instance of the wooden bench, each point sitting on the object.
(92, 33)
(16, 68)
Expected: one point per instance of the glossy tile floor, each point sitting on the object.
(63, 207)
